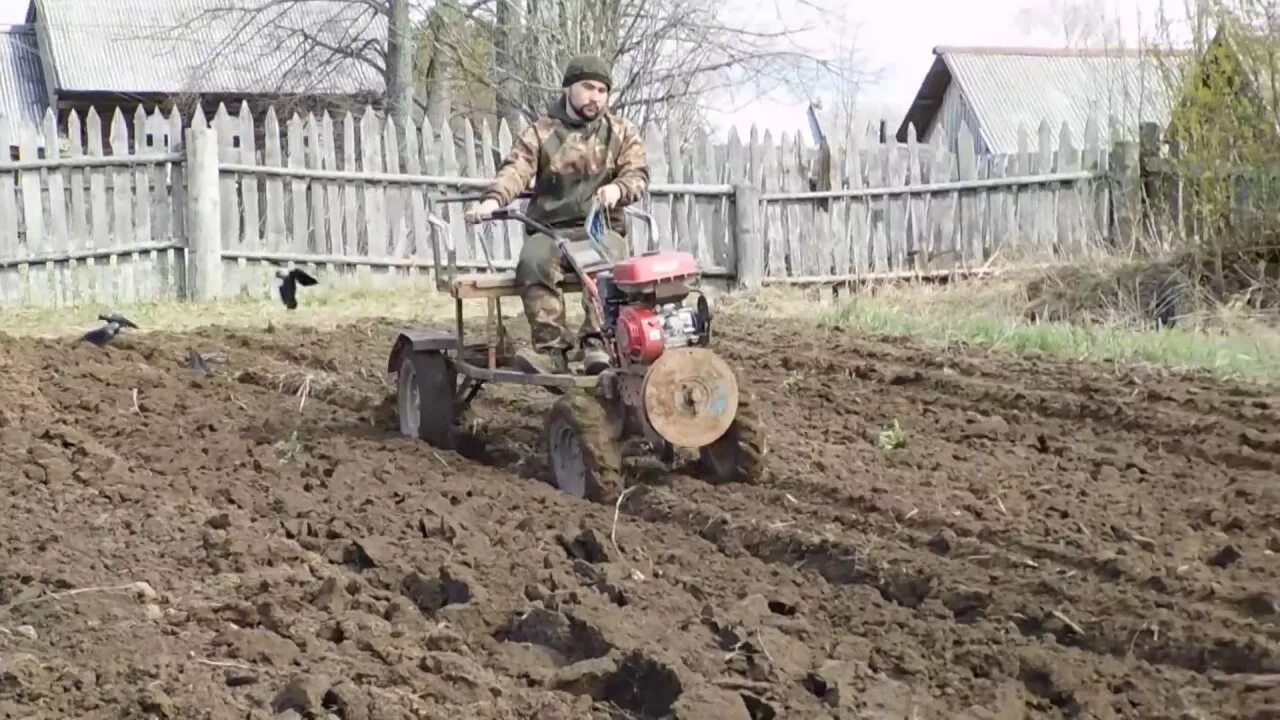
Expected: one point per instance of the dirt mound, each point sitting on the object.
(1046, 540)
(1142, 293)
(1147, 292)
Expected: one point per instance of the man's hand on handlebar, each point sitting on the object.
(480, 211)
(608, 195)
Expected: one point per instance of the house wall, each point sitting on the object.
(954, 110)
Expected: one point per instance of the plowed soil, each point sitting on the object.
(1047, 540)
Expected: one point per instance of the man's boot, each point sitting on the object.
(595, 359)
(547, 361)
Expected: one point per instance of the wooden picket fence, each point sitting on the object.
(107, 220)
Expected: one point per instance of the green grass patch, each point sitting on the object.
(1238, 348)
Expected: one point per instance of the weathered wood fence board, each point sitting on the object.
(909, 208)
(89, 211)
(104, 220)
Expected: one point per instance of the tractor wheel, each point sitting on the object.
(738, 455)
(586, 461)
(426, 398)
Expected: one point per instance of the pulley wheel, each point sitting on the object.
(690, 396)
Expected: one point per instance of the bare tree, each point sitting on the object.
(1076, 23)
(399, 65)
(673, 59)
(835, 87)
(289, 47)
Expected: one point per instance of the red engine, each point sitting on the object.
(643, 299)
(640, 334)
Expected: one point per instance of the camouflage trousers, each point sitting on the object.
(539, 272)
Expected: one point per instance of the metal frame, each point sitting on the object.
(478, 363)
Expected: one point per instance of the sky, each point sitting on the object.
(896, 37)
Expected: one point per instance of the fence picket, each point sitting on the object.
(353, 194)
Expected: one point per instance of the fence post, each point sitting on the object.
(747, 236)
(1126, 195)
(204, 215)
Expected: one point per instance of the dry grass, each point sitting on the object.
(989, 313)
(1227, 341)
(325, 308)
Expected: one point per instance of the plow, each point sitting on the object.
(665, 389)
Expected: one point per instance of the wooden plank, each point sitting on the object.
(917, 204)
(162, 226)
(35, 288)
(512, 231)
(430, 162)
(419, 237)
(78, 221)
(1070, 230)
(774, 225)
(896, 225)
(59, 229)
(662, 208)
(353, 235)
(252, 226)
(878, 177)
(299, 222)
(704, 209)
(499, 240)
(320, 242)
(1045, 233)
(9, 224)
(452, 212)
(941, 206)
(1024, 202)
(680, 205)
(178, 183)
(723, 215)
(1003, 209)
(228, 196)
(396, 203)
(488, 285)
(969, 244)
(145, 265)
(277, 230)
(122, 213)
(480, 236)
(1093, 193)
(333, 190)
(735, 172)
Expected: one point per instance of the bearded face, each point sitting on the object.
(588, 98)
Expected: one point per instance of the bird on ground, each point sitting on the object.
(289, 282)
(103, 335)
(197, 362)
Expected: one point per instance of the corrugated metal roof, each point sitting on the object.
(22, 91)
(1012, 87)
(201, 46)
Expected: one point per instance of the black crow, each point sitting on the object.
(289, 282)
(103, 335)
(196, 361)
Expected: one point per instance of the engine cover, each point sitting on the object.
(654, 268)
(640, 334)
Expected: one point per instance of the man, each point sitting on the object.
(577, 152)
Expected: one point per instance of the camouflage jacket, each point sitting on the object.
(568, 159)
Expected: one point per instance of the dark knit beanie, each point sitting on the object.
(587, 67)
